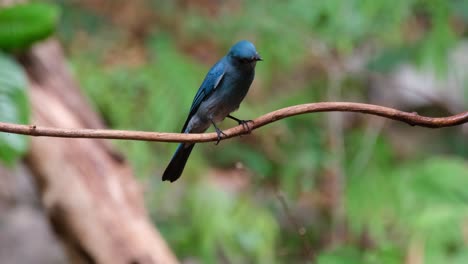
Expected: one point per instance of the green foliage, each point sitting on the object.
(430, 49)
(425, 200)
(341, 25)
(14, 108)
(392, 57)
(399, 199)
(224, 226)
(351, 255)
(23, 24)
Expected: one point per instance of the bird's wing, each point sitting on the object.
(212, 80)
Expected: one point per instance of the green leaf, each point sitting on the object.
(14, 108)
(22, 25)
(341, 255)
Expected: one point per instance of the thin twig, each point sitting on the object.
(410, 118)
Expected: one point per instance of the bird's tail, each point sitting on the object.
(177, 164)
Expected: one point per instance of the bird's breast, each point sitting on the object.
(227, 97)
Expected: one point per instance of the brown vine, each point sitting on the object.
(412, 119)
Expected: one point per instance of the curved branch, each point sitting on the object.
(412, 119)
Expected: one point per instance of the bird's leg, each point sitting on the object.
(219, 132)
(244, 123)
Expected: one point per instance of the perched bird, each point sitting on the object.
(223, 89)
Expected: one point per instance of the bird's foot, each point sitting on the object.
(219, 132)
(245, 125)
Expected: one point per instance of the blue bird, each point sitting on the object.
(223, 89)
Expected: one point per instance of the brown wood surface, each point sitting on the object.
(89, 191)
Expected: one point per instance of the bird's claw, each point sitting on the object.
(245, 125)
(219, 132)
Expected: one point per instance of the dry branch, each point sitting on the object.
(410, 118)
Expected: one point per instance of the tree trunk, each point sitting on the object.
(88, 190)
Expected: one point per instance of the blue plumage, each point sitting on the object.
(223, 89)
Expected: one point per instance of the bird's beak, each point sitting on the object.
(257, 57)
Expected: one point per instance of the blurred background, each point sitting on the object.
(324, 187)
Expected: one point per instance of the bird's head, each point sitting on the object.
(244, 53)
